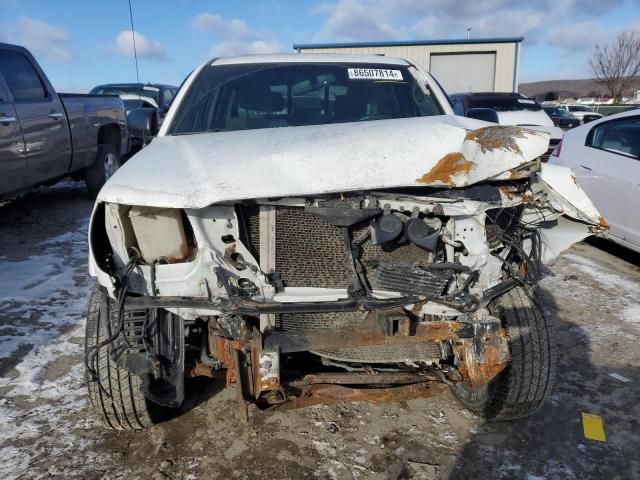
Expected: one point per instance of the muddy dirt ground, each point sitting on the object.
(48, 431)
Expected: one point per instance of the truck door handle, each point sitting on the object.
(586, 168)
(55, 115)
(7, 119)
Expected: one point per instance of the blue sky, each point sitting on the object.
(81, 43)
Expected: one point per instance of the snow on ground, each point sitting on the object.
(43, 300)
(617, 294)
(43, 283)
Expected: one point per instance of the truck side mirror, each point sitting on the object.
(143, 122)
(484, 114)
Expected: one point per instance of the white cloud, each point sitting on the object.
(352, 20)
(42, 39)
(145, 47)
(228, 48)
(579, 38)
(357, 20)
(569, 26)
(234, 37)
(207, 22)
(576, 37)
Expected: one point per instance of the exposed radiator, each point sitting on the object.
(309, 252)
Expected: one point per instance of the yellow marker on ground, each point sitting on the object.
(593, 427)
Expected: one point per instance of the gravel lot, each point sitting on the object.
(47, 429)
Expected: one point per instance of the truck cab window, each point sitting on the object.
(20, 76)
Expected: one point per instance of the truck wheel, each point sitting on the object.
(117, 398)
(107, 162)
(521, 388)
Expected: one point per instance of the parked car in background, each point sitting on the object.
(45, 136)
(316, 227)
(511, 109)
(561, 118)
(605, 156)
(582, 112)
(148, 94)
(140, 95)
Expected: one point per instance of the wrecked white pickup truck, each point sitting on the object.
(316, 228)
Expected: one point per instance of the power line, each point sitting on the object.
(133, 36)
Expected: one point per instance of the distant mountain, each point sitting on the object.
(587, 87)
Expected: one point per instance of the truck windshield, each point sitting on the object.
(243, 97)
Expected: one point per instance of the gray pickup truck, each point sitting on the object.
(45, 136)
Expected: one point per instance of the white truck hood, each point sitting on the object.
(194, 171)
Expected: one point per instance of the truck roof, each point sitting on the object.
(310, 58)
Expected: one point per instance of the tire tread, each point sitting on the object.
(124, 408)
(522, 387)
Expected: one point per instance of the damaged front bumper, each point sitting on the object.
(254, 360)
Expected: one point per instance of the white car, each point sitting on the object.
(605, 156)
(584, 113)
(309, 226)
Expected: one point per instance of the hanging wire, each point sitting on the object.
(91, 357)
(133, 36)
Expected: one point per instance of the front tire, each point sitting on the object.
(522, 387)
(119, 402)
(106, 163)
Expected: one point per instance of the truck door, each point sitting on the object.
(13, 159)
(41, 115)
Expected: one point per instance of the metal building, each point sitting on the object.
(467, 65)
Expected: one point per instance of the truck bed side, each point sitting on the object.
(94, 120)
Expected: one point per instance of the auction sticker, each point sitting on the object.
(374, 74)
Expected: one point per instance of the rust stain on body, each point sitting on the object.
(601, 229)
(479, 365)
(447, 168)
(502, 137)
(514, 195)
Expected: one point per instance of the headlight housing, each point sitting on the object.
(158, 234)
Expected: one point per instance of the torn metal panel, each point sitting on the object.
(480, 359)
(567, 197)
